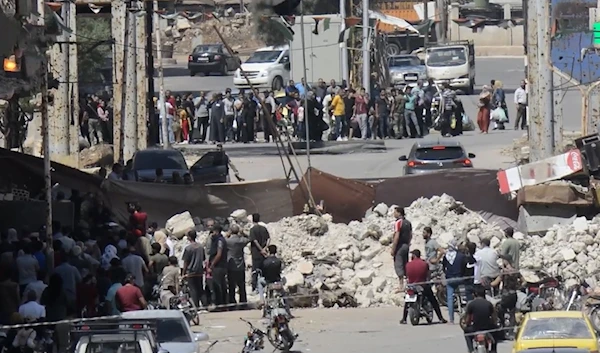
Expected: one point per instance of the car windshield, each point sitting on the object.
(266, 56)
(172, 330)
(404, 61)
(439, 153)
(207, 49)
(447, 57)
(556, 328)
(161, 160)
(113, 347)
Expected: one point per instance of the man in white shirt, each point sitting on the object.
(32, 310)
(135, 265)
(37, 287)
(487, 260)
(229, 114)
(521, 103)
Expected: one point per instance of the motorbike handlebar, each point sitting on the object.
(248, 322)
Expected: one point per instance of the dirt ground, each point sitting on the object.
(340, 330)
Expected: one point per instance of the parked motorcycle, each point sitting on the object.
(418, 305)
(255, 339)
(575, 293)
(279, 332)
(482, 343)
(183, 302)
(545, 294)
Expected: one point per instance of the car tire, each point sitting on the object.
(392, 49)
(192, 73)
(224, 69)
(471, 88)
(277, 84)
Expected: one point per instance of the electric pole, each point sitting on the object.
(343, 46)
(161, 81)
(141, 80)
(426, 21)
(153, 124)
(130, 119)
(118, 12)
(366, 54)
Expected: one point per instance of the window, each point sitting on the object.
(556, 328)
(454, 56)
(404, 61)
(172, 330)
(144, 161)
(440, 153)
(211, 159)
(113, 347)
(215, 49)
(261, 57)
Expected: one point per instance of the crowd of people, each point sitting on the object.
(107, 271)
(460, 265)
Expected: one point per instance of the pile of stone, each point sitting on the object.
(337, 265)
(350, 264)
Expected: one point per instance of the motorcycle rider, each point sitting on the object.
(417, 272)
(272, 267)
(480, 317)
(511, 282)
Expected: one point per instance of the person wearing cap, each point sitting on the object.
(417, 273)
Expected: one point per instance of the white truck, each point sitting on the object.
(268, 67)
(452, 63)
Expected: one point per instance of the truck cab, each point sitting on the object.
(452, 63)
(114, 337)
(267, 67)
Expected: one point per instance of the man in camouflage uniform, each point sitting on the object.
(397, 124)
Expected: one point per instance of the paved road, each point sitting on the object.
(343, 330)
(509, 70)
(374, 165)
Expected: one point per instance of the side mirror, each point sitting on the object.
(471, 155)
(403, 158)
(200, 336)
(287, 66)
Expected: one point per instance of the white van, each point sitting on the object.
(267, 67)
(452, 63)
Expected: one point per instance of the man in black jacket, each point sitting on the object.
(217, 260)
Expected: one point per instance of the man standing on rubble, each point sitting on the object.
(217, 259)
(401, 244)
(510, 249)
(259, 240)
(193, 269)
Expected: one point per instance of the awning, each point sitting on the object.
(391, 20)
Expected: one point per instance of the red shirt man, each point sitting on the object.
(129, 297)
(417, 270)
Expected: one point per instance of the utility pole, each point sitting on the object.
(59, 124)
(545, 83)
(118, 13)
(130, 119)
(343, 46)
(73, 86)
(533, 76)
(426, 20)
(161, 81)
(153, 124)
(45, 128)
(558, 96)
(141, 83)
(366, 55)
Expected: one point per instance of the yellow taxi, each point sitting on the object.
(556, 331)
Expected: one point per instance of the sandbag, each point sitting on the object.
(180, 224)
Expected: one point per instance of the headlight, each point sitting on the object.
(264, 73)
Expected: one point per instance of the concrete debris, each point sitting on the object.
(100, 155)
(180, 224)
(346, 265)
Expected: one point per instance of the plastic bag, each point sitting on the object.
(499, 115)
(235, 125)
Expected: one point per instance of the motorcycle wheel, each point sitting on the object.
(463, 321)
(413, 314)
(195, 315)
(440, 293)
(429, 313)
(595, 317)
(481, 349)
(287, 340)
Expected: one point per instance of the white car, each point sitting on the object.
(173, 331)
(267, 67)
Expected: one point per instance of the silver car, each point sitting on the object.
(406, 70)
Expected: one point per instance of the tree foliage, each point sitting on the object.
(92, 53)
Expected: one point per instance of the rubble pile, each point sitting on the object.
(571, 251)
(350, 264)
(236, 29)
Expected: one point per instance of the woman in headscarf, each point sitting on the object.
(483, 116)
(453, 264)
(499, 101)
(110, 252)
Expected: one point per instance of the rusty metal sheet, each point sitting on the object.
(345, 199)
(270, 198)
(476, 188)
(562, 194)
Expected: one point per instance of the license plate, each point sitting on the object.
(410, 298)
(411, 77)
(203, 59)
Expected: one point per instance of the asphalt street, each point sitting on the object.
(509, 70)
(342, 330)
